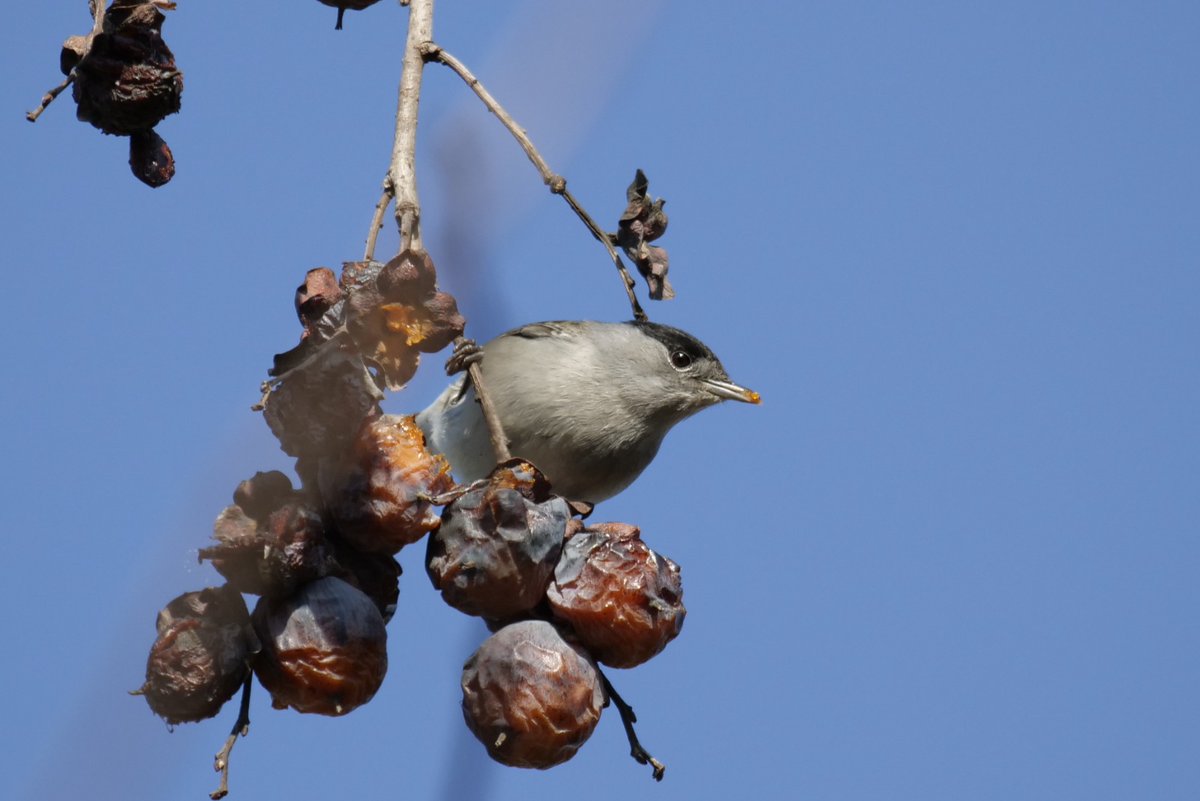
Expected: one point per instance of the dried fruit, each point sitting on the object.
(150, 159)
(127, 82)
(377, 493)
(624, 601)
(531, 697)
(201, 656)
(494, 554)
(316, 296)
(397, 312)
(342, 5)
(376, 574)
(272, 555)
(317, 406)
(324, 649)
(263, 493)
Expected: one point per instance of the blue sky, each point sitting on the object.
(954, 245)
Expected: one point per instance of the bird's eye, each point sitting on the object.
(680, 360)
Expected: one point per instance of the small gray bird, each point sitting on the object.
(588, 403)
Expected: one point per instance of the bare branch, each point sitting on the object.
(558, 185)
(377, 220)
(97, 9)
(48, 98)
(628, 718)
(402, 175)
(241, 727)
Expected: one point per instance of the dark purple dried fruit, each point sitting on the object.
(376, 574)
(377, 493)
(128, 80)
(150, 159)
(273, 555)
(342, 5)
(624, 601)
(531, 697)
(201, 657)
(324, 649)
(494, 554)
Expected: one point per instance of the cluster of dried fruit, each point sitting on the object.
(559, 596)
(125, 82)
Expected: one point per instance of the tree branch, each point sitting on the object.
(558, 185)
(241, 727)
(402, 176)
(97, 9)
(402, 182)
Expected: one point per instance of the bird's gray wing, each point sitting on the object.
(552, 328)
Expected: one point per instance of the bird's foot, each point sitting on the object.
(466, 352)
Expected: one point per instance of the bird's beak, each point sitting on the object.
(727, 390)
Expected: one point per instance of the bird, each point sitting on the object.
(588, 403)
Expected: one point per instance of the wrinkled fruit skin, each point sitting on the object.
(531, 697)
(150, 159)
(376, 574)
(273, 555)
(374, 494)
(201, 657)
(324, 649)
(395, 313)
(624, 601)
(316, 410)
(494, 554)
(128, 81)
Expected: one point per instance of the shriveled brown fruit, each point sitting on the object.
(396, 313)
(324, 649)
(376, 574)
(128, 80)
(272, 555)
(342, 5)
(377, 492)
(624, 601)
(531, 697)
(150, 159)
(263, 493)
(317, 407)
(494, 554)
(201, 656)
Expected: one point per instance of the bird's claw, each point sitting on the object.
(466, 352)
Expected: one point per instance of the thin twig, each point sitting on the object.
(241, 727)
(97, 9)
(402, 174)
(377, 220)
(495, 429)
(402, 180)
(628, 718)
(558, 185)
(48, 98)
